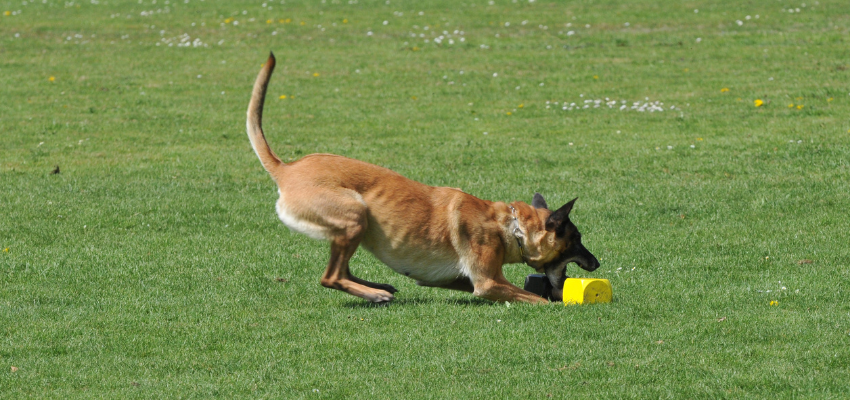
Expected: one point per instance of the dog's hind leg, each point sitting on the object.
(337, 275)
(373, 285)
(344, 214)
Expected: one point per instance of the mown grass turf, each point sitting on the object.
(152, 265)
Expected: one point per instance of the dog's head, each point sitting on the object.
(552, 241)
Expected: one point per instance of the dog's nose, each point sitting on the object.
(592, 265)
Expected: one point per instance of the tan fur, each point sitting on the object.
(437, 236)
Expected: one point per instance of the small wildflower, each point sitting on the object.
(268, 21)
(345, 21)
(791, 105)
(229, 20)
(829, 99)
(283, 97)
(51, 79)
(288, 20)
(774, 303)
(6, 250)
(758, 102)
(303, 23)
(508, 113)
(699, 139)
(724, 90)
(800, 106)
(595, 76)
(316, 74)
(7, 13)
(798, 98)
(519, 106)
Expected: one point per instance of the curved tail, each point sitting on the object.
(255, 118)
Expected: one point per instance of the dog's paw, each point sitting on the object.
(380, 297)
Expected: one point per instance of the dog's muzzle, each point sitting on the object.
(557, 271)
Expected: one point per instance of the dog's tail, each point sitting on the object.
(255, 118)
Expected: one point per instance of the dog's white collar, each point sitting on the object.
(517, 232)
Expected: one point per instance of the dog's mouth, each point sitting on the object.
(557, 273)
(588, 265)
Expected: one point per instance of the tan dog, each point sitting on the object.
(441, 237)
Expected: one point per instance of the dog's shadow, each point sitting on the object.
(418, 301)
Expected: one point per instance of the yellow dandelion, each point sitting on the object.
(281, 21)
(699, 139)
(413, 97)
(315, 74)
(288, 20)
(268, 21)
(415, 48)
(724, 90)
(229, 20)
(283, 97)
(519, 106)
(799, 98)
(595, 76)
(758, 102)
(800, 107)
(829, 99)
(774, 303)
(292, 96)
(345, 21)
(303, 23)
(509, 113)
(7, 13)
(51, 79)
(686, 69)
(6, 250)
(791, 105)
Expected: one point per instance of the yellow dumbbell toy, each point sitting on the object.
(576, 290)
(587, 291)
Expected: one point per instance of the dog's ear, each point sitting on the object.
(539, 202)
(556, 220)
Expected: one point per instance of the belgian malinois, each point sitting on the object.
(438, 236)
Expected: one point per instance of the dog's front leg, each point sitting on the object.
(491, 284)
(501, 289)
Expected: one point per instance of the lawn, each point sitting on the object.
(708, 144)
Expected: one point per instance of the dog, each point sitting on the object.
(438, 236)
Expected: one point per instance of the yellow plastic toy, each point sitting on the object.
(587, 291)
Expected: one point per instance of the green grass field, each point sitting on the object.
(152, 265)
